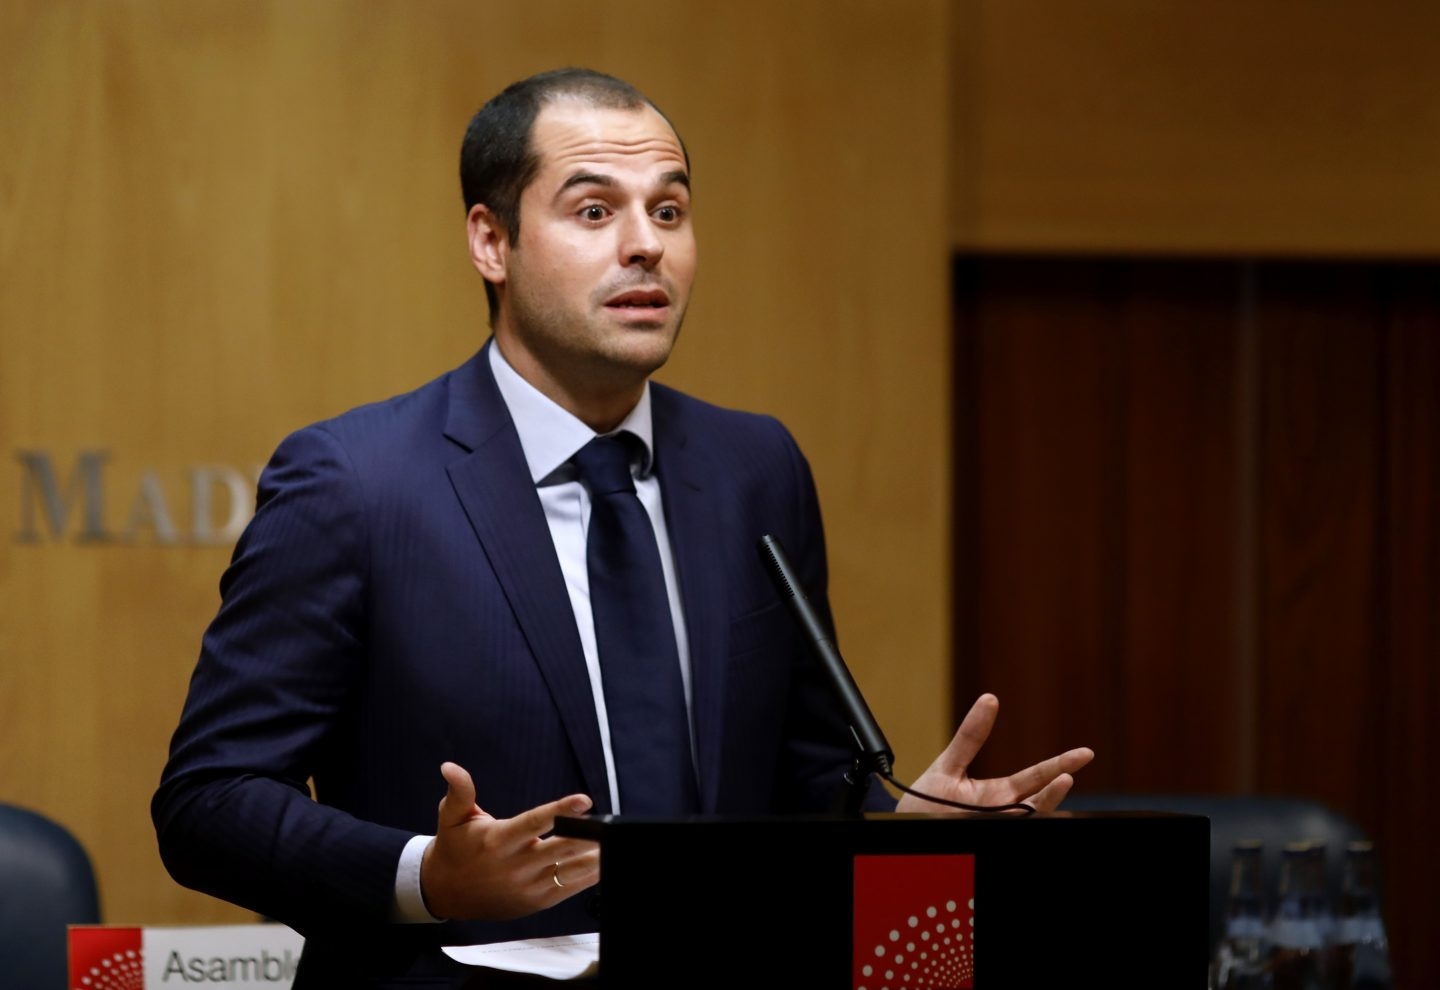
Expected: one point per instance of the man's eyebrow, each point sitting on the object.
(586, 179)
(677, 177)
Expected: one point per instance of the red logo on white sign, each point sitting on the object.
(106, 959)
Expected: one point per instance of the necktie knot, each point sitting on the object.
(604, 464)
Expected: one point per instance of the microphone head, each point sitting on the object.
(774, 557)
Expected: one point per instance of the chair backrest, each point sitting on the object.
(47, 882)
(1274, 820)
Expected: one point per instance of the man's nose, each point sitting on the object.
(640, 242)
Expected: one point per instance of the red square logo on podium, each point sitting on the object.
(914, 922)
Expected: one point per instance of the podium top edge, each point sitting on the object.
(594, 826)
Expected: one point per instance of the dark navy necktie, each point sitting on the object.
(635, 637)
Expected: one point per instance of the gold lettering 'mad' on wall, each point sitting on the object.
(220, 221)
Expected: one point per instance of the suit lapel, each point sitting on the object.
(493, 484)
(691, 520)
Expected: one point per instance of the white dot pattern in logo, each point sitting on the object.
(118, 971)
(943, 961)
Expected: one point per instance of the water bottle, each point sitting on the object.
(1297, 945)
(1240, 958)
(1363, 951)
(1323, 910)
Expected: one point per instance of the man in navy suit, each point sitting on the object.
(411, 596)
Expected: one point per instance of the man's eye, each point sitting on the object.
(668, 214)
(594, 213)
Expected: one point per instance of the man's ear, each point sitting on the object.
(489, 243)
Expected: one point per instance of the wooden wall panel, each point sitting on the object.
(1277, 128)
(1183, 486)
(1041, 521)
(220, 221)
(1103, 532)
(1196, 528)
(1319, 575)
(1407, 810)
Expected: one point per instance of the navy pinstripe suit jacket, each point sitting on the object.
(396, 602)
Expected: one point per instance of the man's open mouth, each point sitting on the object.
(640, 299)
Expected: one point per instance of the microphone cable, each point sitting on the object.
(1019, 807)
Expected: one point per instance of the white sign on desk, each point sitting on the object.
(236, 957)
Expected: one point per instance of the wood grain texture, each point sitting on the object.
(1275, 129)
(1103, 455)
(1408, 657)
(1196, 531)
(1319, 518)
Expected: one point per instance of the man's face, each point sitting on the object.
(594, 289)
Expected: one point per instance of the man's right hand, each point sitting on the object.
(493, 869)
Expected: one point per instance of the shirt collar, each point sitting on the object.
(551, 435)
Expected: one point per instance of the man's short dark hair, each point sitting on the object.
(497, 161)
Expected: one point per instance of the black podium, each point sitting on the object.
(1048, 900)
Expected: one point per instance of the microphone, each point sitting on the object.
(872, 751)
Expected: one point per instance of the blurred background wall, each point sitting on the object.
(1110, 331)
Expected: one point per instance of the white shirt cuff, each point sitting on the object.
(409, 907)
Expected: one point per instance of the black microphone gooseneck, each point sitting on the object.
(872, 752)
